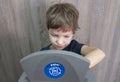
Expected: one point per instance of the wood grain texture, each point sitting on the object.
(104, 33)
(23, 31)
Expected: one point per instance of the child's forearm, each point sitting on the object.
(94, 56)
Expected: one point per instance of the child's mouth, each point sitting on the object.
(59, 47)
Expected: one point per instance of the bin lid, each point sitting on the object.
(55, 66)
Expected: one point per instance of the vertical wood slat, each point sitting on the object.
(21, 32)
(7, 45)
(103, 28)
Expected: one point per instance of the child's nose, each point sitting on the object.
(60, 41)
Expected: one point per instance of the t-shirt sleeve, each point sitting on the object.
(74, 47)
(77, 47)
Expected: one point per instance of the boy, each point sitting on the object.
(62, 22)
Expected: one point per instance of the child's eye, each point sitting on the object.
(54, 35)
(66, 36)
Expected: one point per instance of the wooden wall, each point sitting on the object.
(23, 31)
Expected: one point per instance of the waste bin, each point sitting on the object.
(55, 66)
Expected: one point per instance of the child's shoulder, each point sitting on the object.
(45, 48)
(75, 43)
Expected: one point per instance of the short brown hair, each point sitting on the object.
(62, 15)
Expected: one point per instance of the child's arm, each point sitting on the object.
(94, 55)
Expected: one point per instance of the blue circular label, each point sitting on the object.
(54, 70)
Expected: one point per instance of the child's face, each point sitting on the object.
(59, 38)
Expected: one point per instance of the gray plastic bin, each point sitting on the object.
(55, 66)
